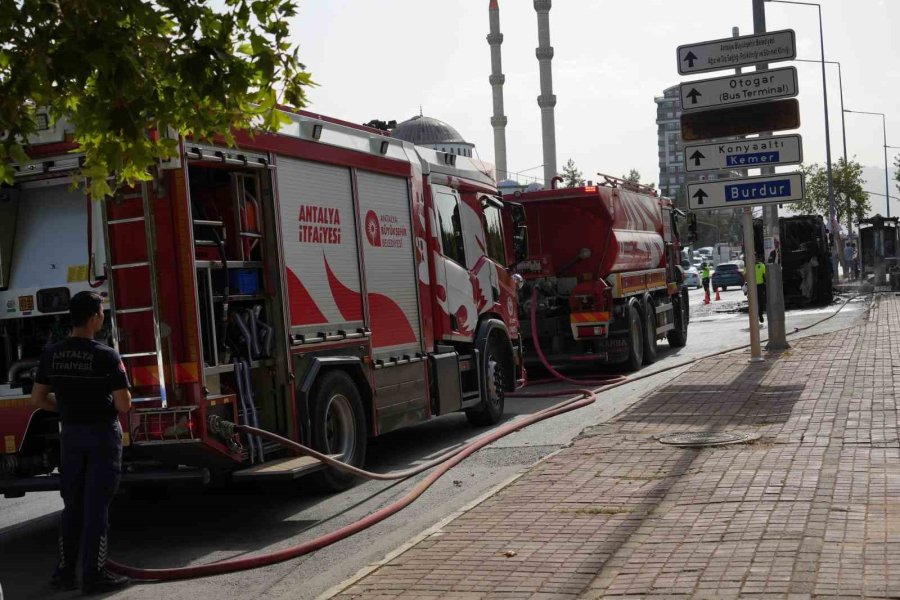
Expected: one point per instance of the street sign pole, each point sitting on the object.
(774, 281)
(747, 221)
(750, 270)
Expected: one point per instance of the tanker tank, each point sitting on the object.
(592, 232)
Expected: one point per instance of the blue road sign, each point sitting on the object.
(749, 191)
(747, 153)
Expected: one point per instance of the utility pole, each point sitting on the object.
(749, 248)
(750, 267)
(774, 287)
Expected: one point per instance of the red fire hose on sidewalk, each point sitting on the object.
(446, 461)
(240, 564)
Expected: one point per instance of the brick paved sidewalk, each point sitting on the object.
(811, 510)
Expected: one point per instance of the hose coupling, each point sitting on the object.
(220, 426)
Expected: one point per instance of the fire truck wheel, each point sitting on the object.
(649, 332)
(678, 337)
(490, 409)
(635, 339)
(338, 426)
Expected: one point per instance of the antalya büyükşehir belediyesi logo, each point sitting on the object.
(373, 229)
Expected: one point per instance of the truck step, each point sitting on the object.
(281, 468)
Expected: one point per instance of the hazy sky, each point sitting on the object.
(384, 58)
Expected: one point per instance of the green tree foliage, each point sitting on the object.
(634, 176)
(897, 170)
(848, 191)
(571, 175)
(119, 69)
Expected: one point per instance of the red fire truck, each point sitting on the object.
(325, 282)
(602, 274)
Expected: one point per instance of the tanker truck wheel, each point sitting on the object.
(650, 350)
(490, 410)
(338, 427)
(678, 337)
(635, 339)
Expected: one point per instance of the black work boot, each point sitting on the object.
(103, 581)
(63, 580)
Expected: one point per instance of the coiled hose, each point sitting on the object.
(446, 461)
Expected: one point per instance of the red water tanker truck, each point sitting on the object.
(603, 283)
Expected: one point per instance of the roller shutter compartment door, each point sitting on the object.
(318, 230)
(389, 257)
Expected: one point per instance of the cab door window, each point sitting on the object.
(493, 233)
(450, 226)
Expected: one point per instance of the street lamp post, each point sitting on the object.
(831, 206)
(887, 185)
(841, 89)
(843, 130)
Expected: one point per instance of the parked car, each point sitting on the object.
(692, 277)
(727, 274)
(691, 274)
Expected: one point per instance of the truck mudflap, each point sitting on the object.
(18, 487)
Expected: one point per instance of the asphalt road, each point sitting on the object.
(196, 528)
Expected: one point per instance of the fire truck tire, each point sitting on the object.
(338, 426)
(650, 350)
(678, 337)
(490, 410)
(635, 338)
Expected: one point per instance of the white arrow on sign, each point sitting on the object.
(747, 191)
(748, 153)
(730, 53)
(739, 89)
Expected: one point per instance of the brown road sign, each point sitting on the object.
(747, 119)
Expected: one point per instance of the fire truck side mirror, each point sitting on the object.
(692, 228)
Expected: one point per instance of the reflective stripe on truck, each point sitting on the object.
(636, 282)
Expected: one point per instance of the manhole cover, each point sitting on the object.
(706, 439)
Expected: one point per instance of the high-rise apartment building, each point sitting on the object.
(672, 176)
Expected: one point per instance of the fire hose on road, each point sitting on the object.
(445, 462)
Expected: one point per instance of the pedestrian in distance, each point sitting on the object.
(760, 270)
(704, 280)
(848, 260)
(89, 389)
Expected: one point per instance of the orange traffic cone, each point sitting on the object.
(706, 297)
(717, 295)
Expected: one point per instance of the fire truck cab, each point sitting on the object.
(325, 282)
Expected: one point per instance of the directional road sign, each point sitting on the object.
(744, 154)
(746, 119)
(739, 89)
(747, 191)
(730, 53)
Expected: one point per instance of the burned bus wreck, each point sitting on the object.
(805, 260)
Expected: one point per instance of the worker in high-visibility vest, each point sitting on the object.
(761, 288)
(704, 280)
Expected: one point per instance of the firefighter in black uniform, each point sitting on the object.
(91, 389)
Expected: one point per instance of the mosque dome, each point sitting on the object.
(432, 133)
